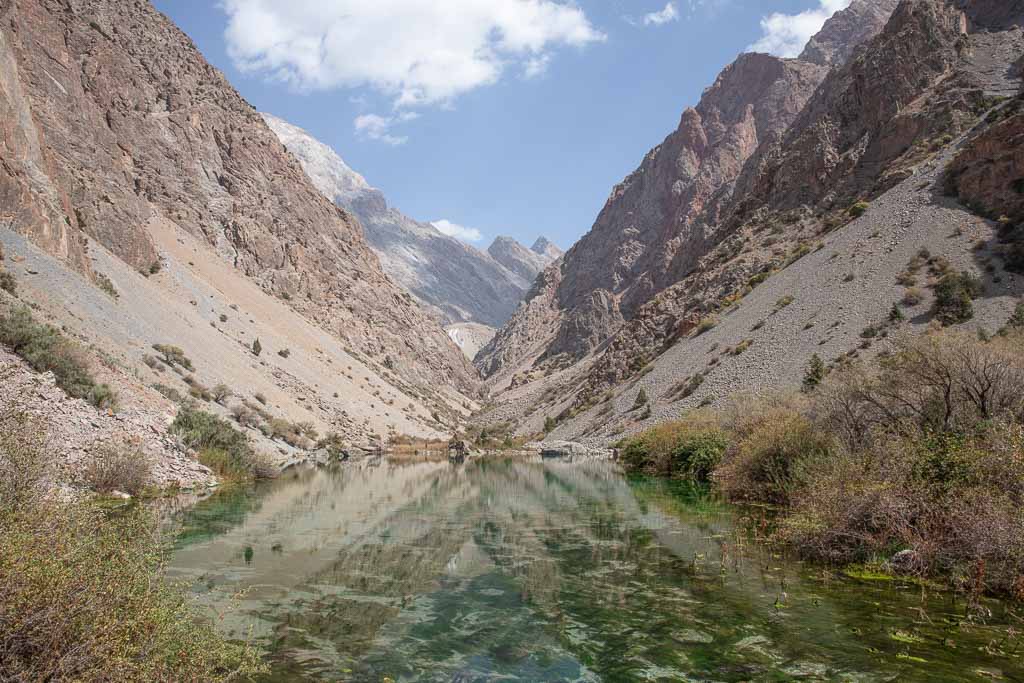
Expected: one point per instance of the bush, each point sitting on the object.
(706, 324)
(118, 468)
(815, 374)
(107, 285)
(688, 449)
(912, 297)
(859, 209)
(221, 393)
(83, 595)
(222, 443)
(173, 355)
(257, 348)
(549, 425)
(953, 296)
(771, 448)
(641, 399)
(284, 353)
(47, 350)
(8, 283)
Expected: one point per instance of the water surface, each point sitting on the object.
(530, 570)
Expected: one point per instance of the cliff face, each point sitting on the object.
(525, 263)
(459, 283)
(113, 119)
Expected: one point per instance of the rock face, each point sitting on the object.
(768, 163)
(111, 117)
(459, 283)
(547, 248)
(525, 263)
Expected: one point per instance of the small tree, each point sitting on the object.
(549, 424)
(953, 296)
(641, 399)
(257, 348)
(221, 393)
(815, 374)
(1016, 321)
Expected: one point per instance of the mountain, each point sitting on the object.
(460, 283)
(546, 248)
(145, 202)
(728, 258)
(525, 263)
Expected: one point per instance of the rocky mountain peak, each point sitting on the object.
(546, 247)
(526, 263)
(847, 29)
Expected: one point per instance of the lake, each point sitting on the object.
(543, 570)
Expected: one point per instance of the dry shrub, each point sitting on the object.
(25, 462)
(772, 446)
(118, 467)
(83, 595)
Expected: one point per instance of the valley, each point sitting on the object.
(761, 421)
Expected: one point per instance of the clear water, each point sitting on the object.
(525, 570)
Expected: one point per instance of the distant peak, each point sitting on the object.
(546, 248)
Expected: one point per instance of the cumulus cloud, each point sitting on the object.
(376, 127)
(786, 35)
(670, 13)
(417, 52)
(457, 231)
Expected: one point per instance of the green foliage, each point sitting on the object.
(687, 449)
(107, 285)
(221, 442)
(815, 374)
(859, 209)
(47, 350)
(641, 399)
(173, 355)
(1016, 321)
(8, 283)
(953, 296)
(706, 324)
(83, 593)
(549, 424)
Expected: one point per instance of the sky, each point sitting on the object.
(489, 117)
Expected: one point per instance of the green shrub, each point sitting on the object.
(688, 449)
(859, 209)
(549, 424)
(173, 355)
(47, 350)
(208, 433)
(1016, 321)
(706, 324)
(8, 283)
(953, 296)
(107, 285)
(83, 594)
(815, 374)
(772, 446)
(641, 399)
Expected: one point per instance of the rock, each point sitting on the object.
(120, 495)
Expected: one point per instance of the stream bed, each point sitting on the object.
(542, 570)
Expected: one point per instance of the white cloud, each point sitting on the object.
(457, 231)
(377, 127)
(416, 52)
(670, 13)
(786, 35)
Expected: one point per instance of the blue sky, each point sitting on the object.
(511, 117)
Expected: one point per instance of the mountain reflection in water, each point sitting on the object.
(530, 570)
